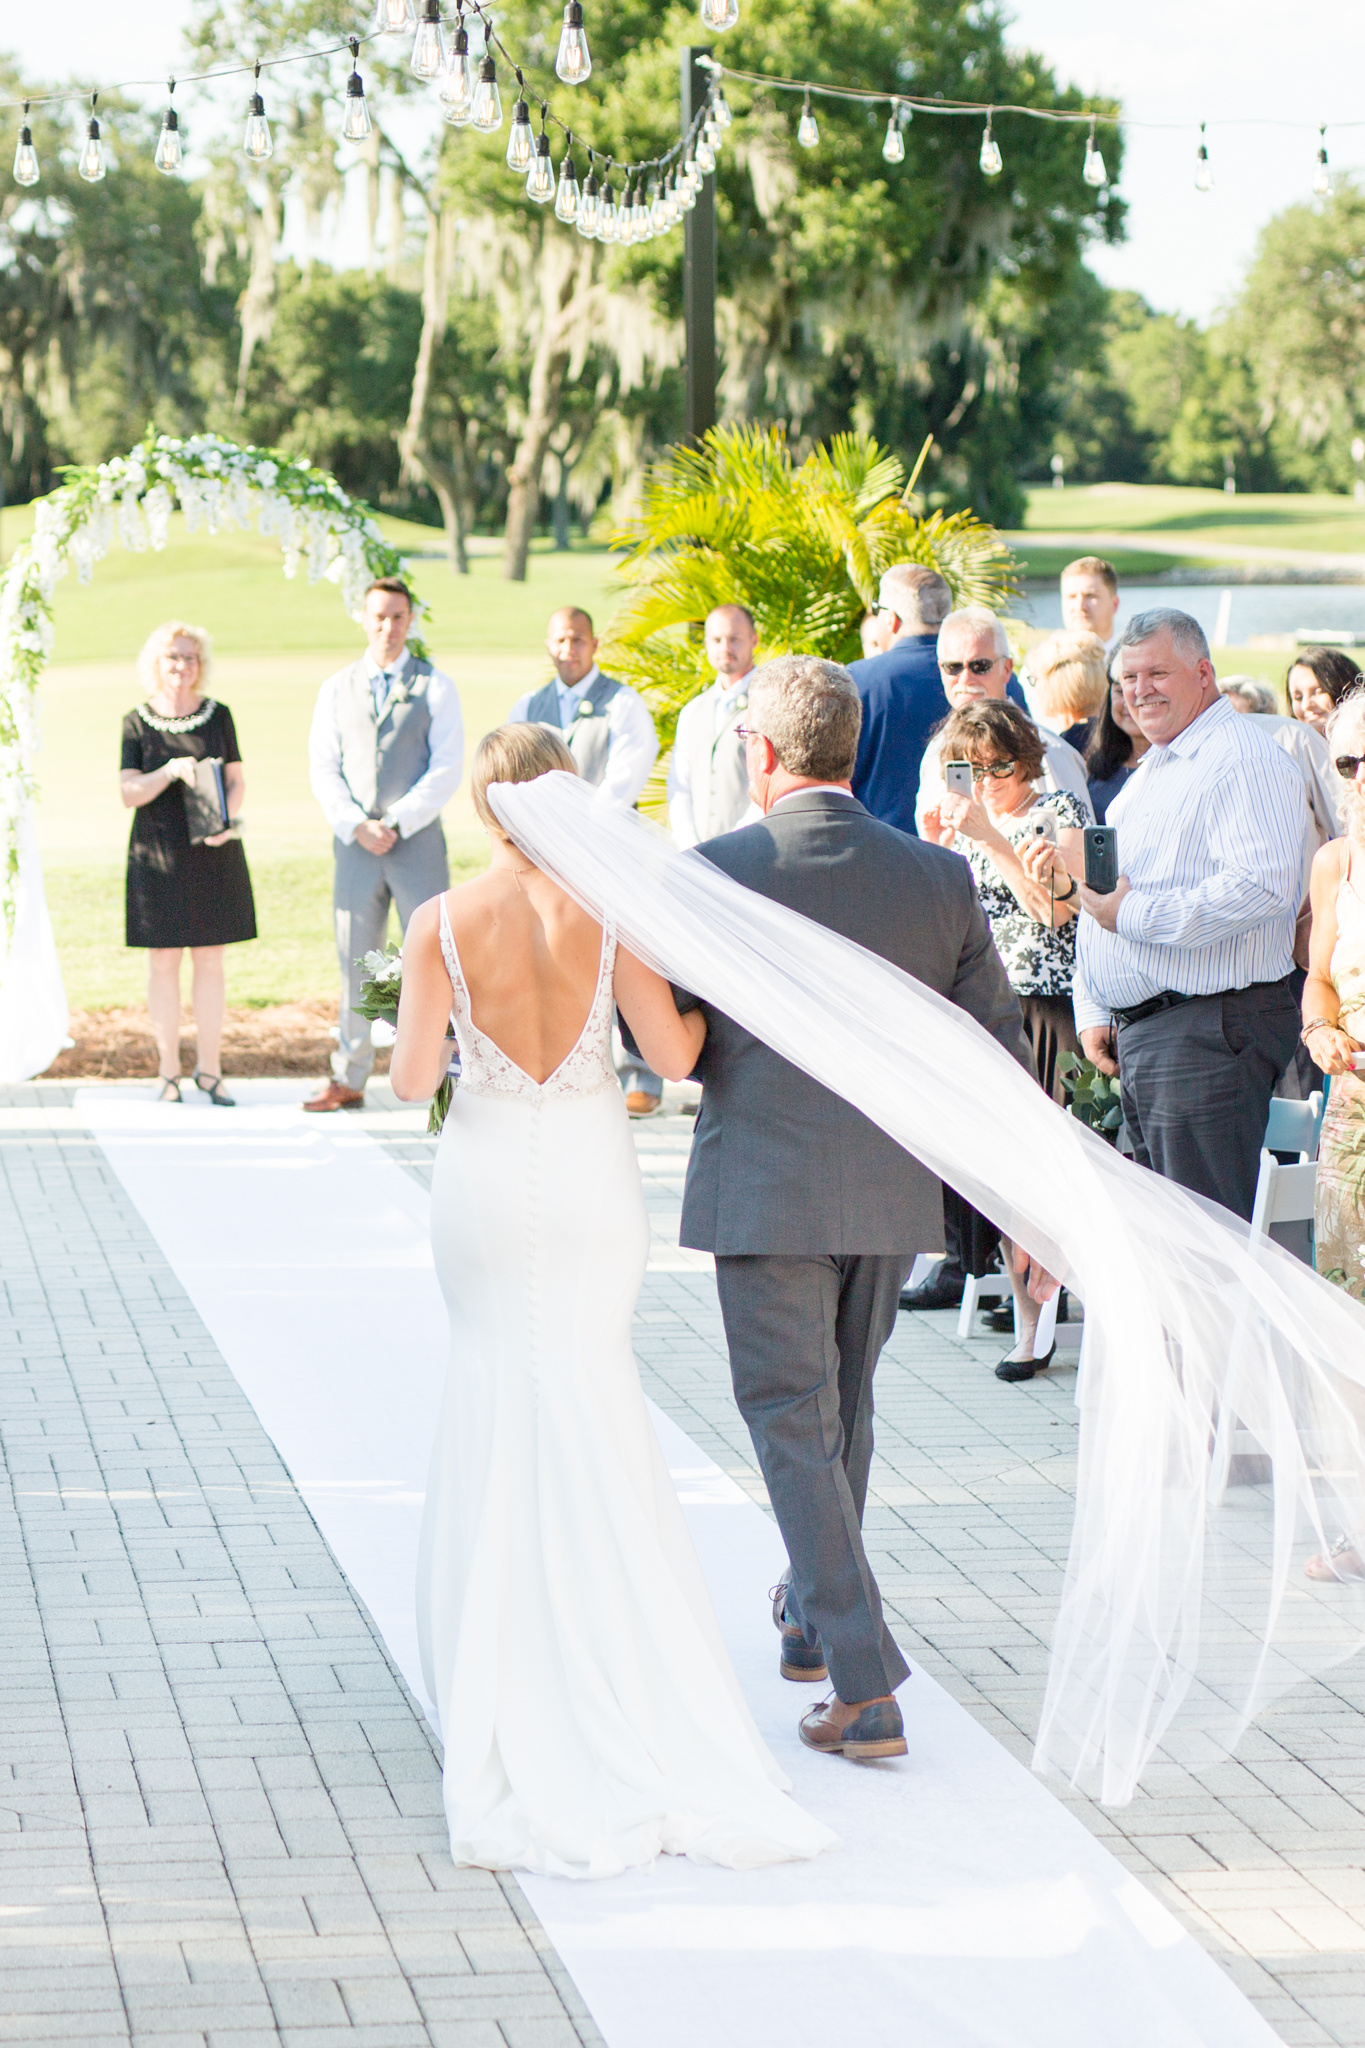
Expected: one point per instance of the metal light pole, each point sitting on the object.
(699, 270)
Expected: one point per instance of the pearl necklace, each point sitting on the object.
(191, 722)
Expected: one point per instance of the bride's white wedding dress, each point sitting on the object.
(590, 1715)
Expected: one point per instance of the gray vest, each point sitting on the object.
(381, 758)
(588, 738)
(720, 775)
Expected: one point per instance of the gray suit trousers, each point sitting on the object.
(412, 871)
(804, 1336)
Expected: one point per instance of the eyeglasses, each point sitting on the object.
(979, 667)
(748, 732)
(995, 771)
(1348, 766)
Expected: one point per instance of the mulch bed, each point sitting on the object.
(289, 1038)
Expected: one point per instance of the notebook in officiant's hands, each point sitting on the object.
(206, 811)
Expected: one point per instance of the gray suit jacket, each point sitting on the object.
(779, 1165)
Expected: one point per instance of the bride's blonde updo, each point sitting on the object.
(515, 753)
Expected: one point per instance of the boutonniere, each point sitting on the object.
(399, 694)
(741, 703)
(586, 708)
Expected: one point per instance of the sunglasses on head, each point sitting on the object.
(1348, 766)
(980, 667)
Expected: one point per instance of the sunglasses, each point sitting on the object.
(994, 771)
(1348, 766)
(979, 667)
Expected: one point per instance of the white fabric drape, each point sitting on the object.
(33, 1012)
(1222, 1389)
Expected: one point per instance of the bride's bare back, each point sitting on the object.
(531, 960)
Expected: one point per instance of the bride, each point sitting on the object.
(590, 1715)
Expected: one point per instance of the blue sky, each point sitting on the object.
(1174, 61)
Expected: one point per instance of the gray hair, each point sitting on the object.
(811, 712)
(1251, 691)
(1187, 635)
(977, 618)
(915, 594)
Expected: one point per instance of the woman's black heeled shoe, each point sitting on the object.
(170, 1088)
(1024, 1368)
(213, 1088)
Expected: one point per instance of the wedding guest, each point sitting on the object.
(1070, 676)
(385, 754)
(1116, 747)
(975, 662)
(874, 631)
(1090, 598)
(1248, 693)
(902, 697)
(178, 894)
(1183, 972)
(1317, 680)
(708, 783)
(604, 723)
(1030, 900)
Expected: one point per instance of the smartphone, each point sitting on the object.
(957, 777)
(1101, 859)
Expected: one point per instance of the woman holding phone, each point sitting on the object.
(181, 893)
(1017, 843)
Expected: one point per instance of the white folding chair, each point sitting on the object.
(988, 1287)
(1294, 1126)
(1284, 1194)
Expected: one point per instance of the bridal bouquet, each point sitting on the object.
(378, 1003)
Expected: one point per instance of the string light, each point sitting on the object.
(540, 179)
(566, 199)
(706, 156)
(808, 128)
(658, 206)
(429, 44)
(357, 124)
(573, 63)
(606, 214)
(457, 90)
(256, 142)
(718, 15)
(169, 155)
(720, 106)
(992, 163)
(487, 99)
(390, 16)
(1203, 169)
(586, 222)
(90, 162)
(25, 155)
(640, 214)
(1093, 170)
(893, 149)
(1322, 177)
(520, 143)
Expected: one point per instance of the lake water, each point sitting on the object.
(1254, 608)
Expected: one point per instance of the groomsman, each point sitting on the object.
(605, 724)
(708, 782)
(385, 755)
(608, 730)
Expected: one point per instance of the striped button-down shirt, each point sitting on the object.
(1211, 836)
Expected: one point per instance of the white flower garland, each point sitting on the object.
(216, 484)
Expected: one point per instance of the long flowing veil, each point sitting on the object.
(1222, 1389)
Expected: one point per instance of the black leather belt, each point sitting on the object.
(1170, 998)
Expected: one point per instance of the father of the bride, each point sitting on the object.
(813, 1213)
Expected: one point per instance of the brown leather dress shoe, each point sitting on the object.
(640, 1104)
(335, 1096)
(863, 1732)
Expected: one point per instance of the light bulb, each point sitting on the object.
(706, 157)
(625, 215)
(169, 154)
(573, 62)
(1093, 170)
(392, 15)
(1322, 177)
(457, 86)
(487, 99)
(658, 207)
(521, 142)
(992, 163)
(587, 205)
(675, 200)
(606, 214)
(687, 195)
(719, 15)
(256, 142)
(893, 149)
(640, 215)
(808, 129)
(566, 199)
(540, 179)
(720, 106)
(25, 155)
(429, 43)
(711, 131)
(90, 162)
(1203, 169)
(356, 124)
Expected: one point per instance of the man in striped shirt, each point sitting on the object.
(1183, 973)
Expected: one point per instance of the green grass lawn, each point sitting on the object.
(1203, 519)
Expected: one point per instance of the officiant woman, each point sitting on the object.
(182, 894)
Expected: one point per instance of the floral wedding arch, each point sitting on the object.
(217, 485)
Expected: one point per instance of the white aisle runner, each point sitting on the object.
(967, 1908)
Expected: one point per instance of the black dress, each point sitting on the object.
(178, 894)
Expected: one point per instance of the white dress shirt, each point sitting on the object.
(716, 703)
(632, 743)
(431, 792)
(1063, 768)
(1211, 831)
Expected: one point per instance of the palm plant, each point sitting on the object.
(737, 521)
